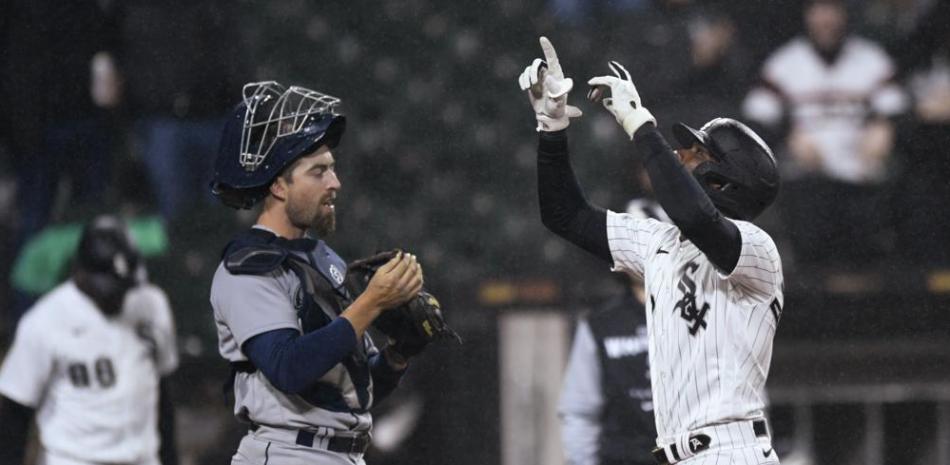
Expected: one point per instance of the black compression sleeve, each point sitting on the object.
(564, 209)
(684, 200)
(168, 450)
(14, 425)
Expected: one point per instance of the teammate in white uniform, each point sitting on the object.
(713, 279)
(88, 358)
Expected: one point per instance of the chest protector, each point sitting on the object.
(319, 300)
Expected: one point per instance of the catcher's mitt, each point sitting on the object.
(412, 326)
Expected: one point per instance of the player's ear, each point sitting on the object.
(278, 188)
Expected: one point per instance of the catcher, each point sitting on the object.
(305, 371)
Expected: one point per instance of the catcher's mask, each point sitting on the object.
(743, 167)
(271, 128)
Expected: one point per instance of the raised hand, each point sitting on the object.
(547, 90)
(624, 101)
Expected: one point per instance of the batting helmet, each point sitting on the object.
(107, 258)
(271, 128)
(743, 169)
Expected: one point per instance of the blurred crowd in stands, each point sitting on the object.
(116, 106)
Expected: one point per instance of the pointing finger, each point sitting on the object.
(550, 56)
(615, 70)
(626, 74)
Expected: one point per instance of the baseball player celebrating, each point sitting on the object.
(305, 371)
(713, 279)
(88, 360)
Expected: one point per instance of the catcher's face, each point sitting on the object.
(311, 191)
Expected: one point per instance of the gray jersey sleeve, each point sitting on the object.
(582, 400)
(248, 305)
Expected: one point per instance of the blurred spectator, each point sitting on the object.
(832, 96)
(183, 62)
(764, 26)
(659, 51)
(891, 22)
(718, 73)
(923, 189)
(59, 83)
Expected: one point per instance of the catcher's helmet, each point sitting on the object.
(107, 257)
(271, 128)
(743, 168)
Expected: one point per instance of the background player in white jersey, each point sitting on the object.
(89, 359)
(713, 279)
(306, 370)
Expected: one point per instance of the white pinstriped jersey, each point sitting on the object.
(710, 333)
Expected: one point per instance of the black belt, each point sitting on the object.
(348, 444)
(659, 454)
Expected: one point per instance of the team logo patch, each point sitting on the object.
(699, 442)
(689, 311)
(336, 274)
(298, 298)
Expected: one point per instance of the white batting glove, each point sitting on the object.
(547, 89)
(624, 101)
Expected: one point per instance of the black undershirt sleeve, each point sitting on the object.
(168, 451)
(684, 200)
(564, 209)
(15, 422)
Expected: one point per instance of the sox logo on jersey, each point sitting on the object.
(695, 316)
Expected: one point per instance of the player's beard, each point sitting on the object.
(324, 224)
(312, 216)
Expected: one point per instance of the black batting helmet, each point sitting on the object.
(743, 168)
(107, 257)
(271, 128)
